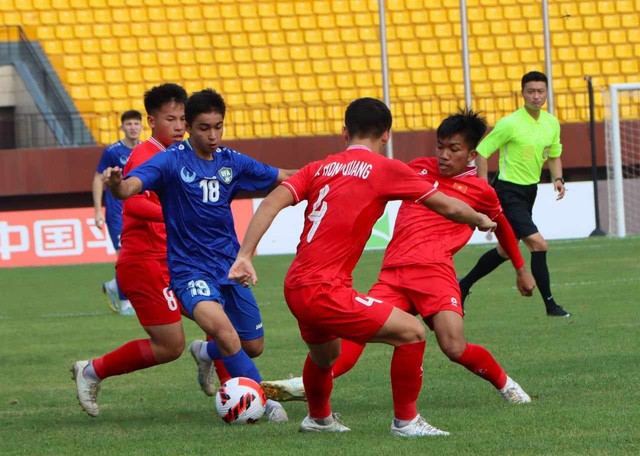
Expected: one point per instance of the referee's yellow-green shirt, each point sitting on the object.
(524, 143)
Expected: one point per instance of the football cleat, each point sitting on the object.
(206, 369)
(111, 294)
(311, 425)
(291, 389)
(126, 308)
(275, 412)
(513, 393)
(557, 311)
(87, 390)
(418, 427)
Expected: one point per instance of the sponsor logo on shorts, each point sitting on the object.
(259, 325)
(454, 302)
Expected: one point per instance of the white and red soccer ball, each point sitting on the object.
(240, 400)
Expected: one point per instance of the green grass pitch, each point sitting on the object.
(582, 373)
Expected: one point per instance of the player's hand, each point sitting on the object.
(525, 282)
(485, 223)
(112, 176)
(560, 189)
(99, 219)
(242, 271)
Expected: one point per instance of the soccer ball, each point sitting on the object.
(240, 400)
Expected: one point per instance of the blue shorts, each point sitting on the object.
(114, 227)
(238, 303)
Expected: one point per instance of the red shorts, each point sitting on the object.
(329, 311)
(146, 285)
(421, 290)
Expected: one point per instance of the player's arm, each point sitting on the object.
(285, 174)
(141, 207)
(555, 168)
(498, 137)
(242, 270)
(121, 188)
(458, 211)
(97, 188)
(509, 243)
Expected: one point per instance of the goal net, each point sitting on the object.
(622, 134)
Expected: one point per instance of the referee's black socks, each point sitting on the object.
(540, 272)
(485, 265)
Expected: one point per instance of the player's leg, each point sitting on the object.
(538, 248)
(159, 315)
(318, 382)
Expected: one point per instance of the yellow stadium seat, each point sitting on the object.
(633, 35)
(295, 37)
(344, 21)
(624, 51)
(270, 24)
(504, 42)
(571, 69)
(364, 79)
(590, 68)
(208, 72)
(326, 22)
(91, 46)
(204, 57)
(128, 44)
(340, 65)
(354, 50)
(276, 38)
(308, 83)
(146, 43)
(629, 66)
(229, 11)
(201, 42)
(117, 91)
(604, 52)
(630, 21)
(321, 66)
(165, 43)
(491, 58)
(184, 42)
(496, 73)
(289, 23)
(80, 92)
(484, 43)
(372, 49)
(150, 59)
(157, 29)
(415, 62)
(529, 55)
(524, 41)
(443, 30)
(410, 47)
(313, 36)
(307, 23)
(120, 30)
(302, 67)
(532, 11)
(401, 78)
(75, 77)
(434, 61)
(349, 35)
(229, 70)
(242, 55)
(617, 36)
(298, 52)
(113, 75)
(453, 60)
(192, 13)
(189, 72)
(335, 50)
(284, 68)
(247, 69)
(592, 22)
(46, 33)
(611, 67)
(260, 54)
(580, 39)
(186, 57)
(606, 7)
(135, 90)
(170, 73)
(37, 4)
(98, 92)
(265, 69)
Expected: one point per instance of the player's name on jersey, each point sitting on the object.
(355, 168)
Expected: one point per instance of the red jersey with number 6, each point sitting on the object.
(346, 194)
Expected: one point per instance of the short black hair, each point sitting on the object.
(207, 100)
(130, 114)
(533, 76)
(367, 117)
(466, 122)
(155, 97)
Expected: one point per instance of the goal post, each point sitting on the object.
(622, 134)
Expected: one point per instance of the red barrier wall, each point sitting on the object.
(70, 170)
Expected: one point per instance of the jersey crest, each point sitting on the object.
(186, 175)
(226, 174)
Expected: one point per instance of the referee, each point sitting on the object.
(526, 139)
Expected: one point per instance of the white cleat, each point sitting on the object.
(311, 425)
(418, 427)
(87, 390)
(111, 294)
(206, 370)
(126, 308)
(513, 393)
(291, 389)
(275, 412)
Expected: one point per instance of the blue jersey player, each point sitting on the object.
(196, 181)
(115, 154)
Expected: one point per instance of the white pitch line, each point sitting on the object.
(593, 282)
(73, 314)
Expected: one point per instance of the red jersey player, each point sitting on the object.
(143, 254)
(347, 193)
(418, 274)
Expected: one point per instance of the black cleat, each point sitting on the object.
(464, 292)
(557, 311)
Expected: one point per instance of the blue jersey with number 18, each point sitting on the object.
(196, 197)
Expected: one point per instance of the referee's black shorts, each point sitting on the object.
(517, 204)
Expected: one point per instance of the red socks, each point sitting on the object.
(132, 356)
(406, 379)
(480, 361)
(349, 354)
(318, 383)
(221, 371)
